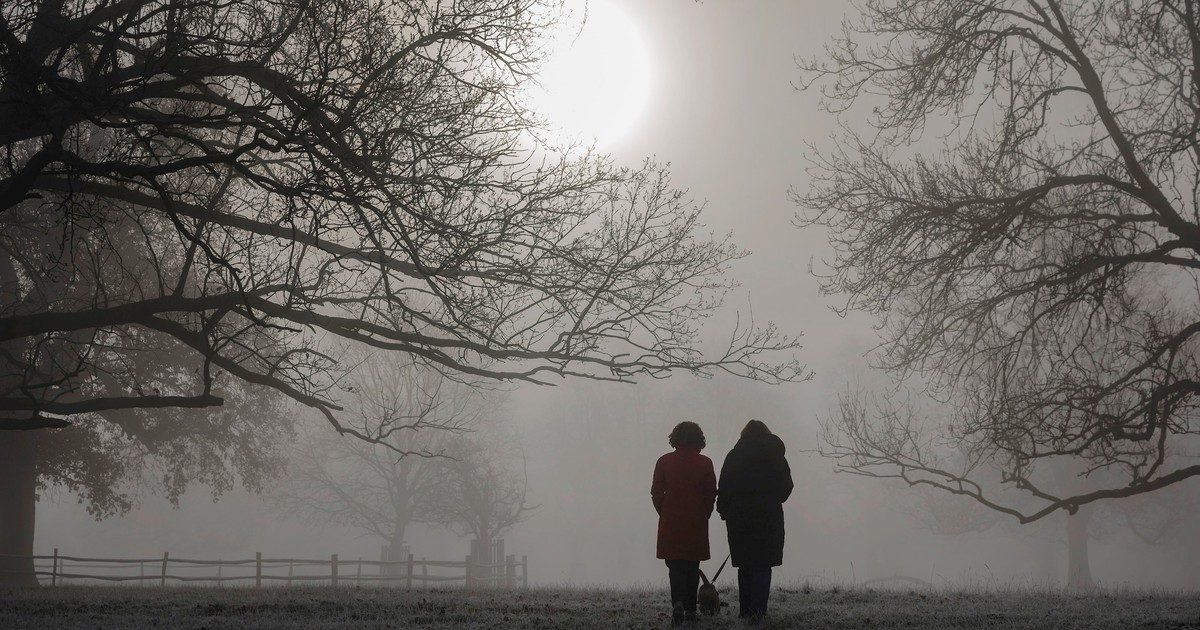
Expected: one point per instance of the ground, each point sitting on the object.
(799, 607)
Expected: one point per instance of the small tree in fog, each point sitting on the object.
(1036, 270)
(381, 489)
(482, 487)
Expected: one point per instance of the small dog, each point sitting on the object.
(708, 600)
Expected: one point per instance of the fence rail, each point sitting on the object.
(58, 569)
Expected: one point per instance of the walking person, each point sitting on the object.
(755, 481)
(683, 492)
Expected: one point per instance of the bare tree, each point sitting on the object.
(239, 183)
(369, 486)
(1037, 272)
(480, 492)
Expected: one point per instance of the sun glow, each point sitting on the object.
(596, 80)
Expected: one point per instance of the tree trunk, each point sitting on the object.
(396, 550)
(18, 500)
(1193, 563)
(1079, 570)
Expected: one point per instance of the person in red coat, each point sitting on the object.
(683, 491)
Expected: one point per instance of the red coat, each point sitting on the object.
(683, 491)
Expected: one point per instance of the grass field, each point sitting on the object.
(325, 607)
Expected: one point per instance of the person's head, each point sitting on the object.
(687, 434)
(755, 428)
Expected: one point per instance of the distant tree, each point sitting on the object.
(1038, 272)
(1168, 519)
(945, 514)
(367, 486)
(1158, 519)
(241, 183)
(480, 492)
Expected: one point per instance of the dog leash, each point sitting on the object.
(722, 568)
(718, 574)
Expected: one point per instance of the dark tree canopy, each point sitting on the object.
(107, 460)
(1023, 219)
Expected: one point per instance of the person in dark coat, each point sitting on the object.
(755, 481)
(683, 492)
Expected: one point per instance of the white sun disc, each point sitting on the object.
(594, 86)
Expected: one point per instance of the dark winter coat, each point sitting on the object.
(683, 492)
(755, 481)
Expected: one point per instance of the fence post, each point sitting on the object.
(358, 580)
(54, 569)
(424, 572)
(408, 583)
(467, 581)
(162, 579)
(333, 570)
(510, 571)
(220, 573)
(257, 569)
(524, 571)
(290, 562)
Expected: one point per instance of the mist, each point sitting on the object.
(379, 438)
(725, 115)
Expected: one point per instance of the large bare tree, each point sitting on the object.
(239, 184)
(1021, 214)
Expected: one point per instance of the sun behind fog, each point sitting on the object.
(596, 81)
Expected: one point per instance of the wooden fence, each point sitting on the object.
(60, 569)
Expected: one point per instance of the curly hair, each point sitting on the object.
(687, 433)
